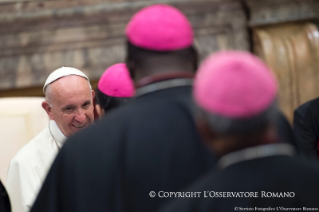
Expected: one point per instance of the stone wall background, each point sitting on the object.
(39, 36)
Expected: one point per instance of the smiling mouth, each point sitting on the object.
(79, 126)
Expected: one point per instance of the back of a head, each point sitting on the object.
(115, 87)
(237, 92)
(160, 35)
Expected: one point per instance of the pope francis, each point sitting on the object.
(69, 105)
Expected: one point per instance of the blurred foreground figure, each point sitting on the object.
(114, 89)
(150, 144)
(306, 126)
(4, 200)
(237, 94)
(69, 106)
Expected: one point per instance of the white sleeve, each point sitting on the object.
(23, 184)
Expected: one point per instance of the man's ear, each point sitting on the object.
(195, 59)
(46, 106)
(93, 94)
(100, 112)
(130, 65)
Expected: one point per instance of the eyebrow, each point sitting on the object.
(65, 107)
(86, 102)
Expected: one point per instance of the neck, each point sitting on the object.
(163, 76)
(157, 69)
(227, 144)
(56, 133)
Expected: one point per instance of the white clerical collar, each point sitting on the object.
(256, 152)
(56, 133)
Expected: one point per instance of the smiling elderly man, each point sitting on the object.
(69, 105)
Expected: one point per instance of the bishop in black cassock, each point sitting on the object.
(255, 171)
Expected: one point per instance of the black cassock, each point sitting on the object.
(4, 200)
(151, 144)
(272, 183)
(306, 126)
(286, 135)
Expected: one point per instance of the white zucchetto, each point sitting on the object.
(62, 72)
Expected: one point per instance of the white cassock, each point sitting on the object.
(29, 167)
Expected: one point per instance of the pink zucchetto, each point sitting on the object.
(116, 82)
(234, 84)
(160, 28)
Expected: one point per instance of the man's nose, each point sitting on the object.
(80, 116)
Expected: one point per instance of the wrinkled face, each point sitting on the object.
(71, 104)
